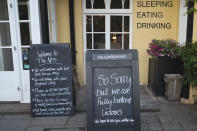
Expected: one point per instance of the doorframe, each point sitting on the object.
(36, 39)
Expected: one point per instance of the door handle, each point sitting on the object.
(14, 48)
(10, 5)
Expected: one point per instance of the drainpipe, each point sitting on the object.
(44, 21)
(72, 31)
(190, 22)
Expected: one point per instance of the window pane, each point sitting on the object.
(126, 23)
(88, 23)
(116, 23)
(89, 41)
(116, 4)
(127, 4)
(4, 10)
(99, 41)
(6, 61)
(5, 34)
(25, 34)
(23, 7)
(25, 58)
(99, 4)
(88, 4)
(99, 23)
(116, 41)
(126, 41)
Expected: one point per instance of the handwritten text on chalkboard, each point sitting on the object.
(51, 88)
(113, 100)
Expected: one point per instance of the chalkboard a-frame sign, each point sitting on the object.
(51, 80)
(113, 101)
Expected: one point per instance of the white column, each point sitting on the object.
(182, 23)
(35, 21)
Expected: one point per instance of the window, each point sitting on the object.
(6, 54)
(107, 24)
(95, 31)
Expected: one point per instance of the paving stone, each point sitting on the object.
(195, 116)
(183, 117)
(172, 126)
(68, 129)
(151, 127)
(164, 117)
(189, 126)
(147, 101)
(1, 116)
(144, 127)
(148, 127)
(167, 108)
(17, 117)
(15, 108)
(14, 125)
(193, 110)
(180, 116)
(44, 128)
(148, 117)
(191, 129)
(78, 120)
(155, 126)
(150, 122)
(37, 128)
(45, 121)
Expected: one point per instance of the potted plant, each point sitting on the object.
(164, 60)
(163, 48)
(188, 55)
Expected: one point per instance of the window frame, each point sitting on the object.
(107, 10)
(107, 13)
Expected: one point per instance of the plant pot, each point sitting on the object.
(173, 86)
(158, 67)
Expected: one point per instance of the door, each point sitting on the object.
(19, 28)
(9, 72)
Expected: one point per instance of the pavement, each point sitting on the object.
(157, 114)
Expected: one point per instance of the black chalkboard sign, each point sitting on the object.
(113, 100)
(51, 80)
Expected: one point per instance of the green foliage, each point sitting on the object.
(189, 56)
(190, 1)
(192, 9)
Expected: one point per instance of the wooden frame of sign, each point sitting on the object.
(113, 98)
(51, 80)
